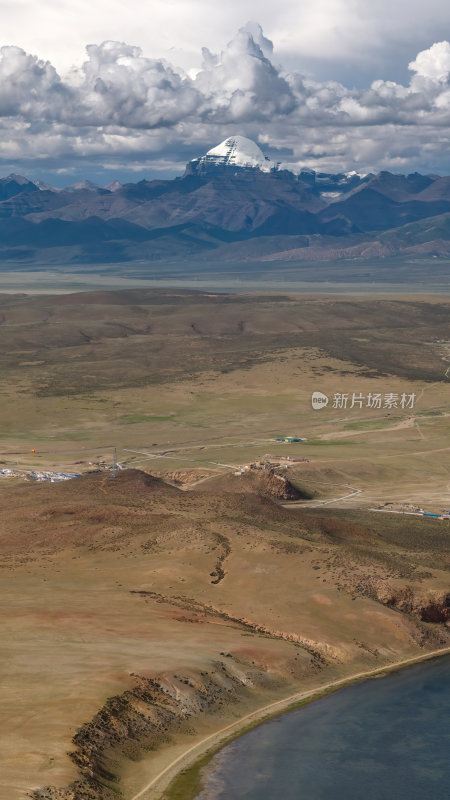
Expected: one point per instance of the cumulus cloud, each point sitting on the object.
(121, 104)
(122, 87)
(29, 87)
(242, 83)
(433, 63)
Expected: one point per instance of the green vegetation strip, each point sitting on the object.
(189, 782)
(371, 425)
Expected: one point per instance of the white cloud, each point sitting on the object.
(242, 83)
(122, 105)
(122, 87)
(28, 86)
(309, 34)
(433, 63)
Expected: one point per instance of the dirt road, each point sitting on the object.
(153, 789)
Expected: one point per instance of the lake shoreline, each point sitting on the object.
(182, 780)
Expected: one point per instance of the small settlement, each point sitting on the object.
(53, 477)
(409, 508)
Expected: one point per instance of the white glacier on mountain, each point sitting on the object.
(239, 151)
(235, 151)
(86, 184)
(238, 154)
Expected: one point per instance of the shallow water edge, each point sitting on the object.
(187, 781)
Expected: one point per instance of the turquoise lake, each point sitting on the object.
(384, 739)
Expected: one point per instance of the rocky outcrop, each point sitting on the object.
(278, 487)
(434, 609)
(437, 610)
(145, 718)
(258, 480)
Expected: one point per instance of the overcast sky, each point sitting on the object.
(106, 88)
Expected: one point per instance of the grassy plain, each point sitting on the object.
(141, 617)
(204, 380)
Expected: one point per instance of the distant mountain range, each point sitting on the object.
(232, 204)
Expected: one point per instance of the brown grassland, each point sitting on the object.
(143, 613)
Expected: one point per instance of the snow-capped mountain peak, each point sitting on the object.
(114, 186)
(45, 187)
(86, 184)
(19, 179)
(236, 152)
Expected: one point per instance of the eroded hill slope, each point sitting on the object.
(140, 617)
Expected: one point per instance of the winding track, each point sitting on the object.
(192, 754)
(318, 503)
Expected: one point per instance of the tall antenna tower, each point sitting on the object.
(115, 466)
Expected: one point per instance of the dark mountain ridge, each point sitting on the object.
(222, 200)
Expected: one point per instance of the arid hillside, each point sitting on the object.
(139, 617)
